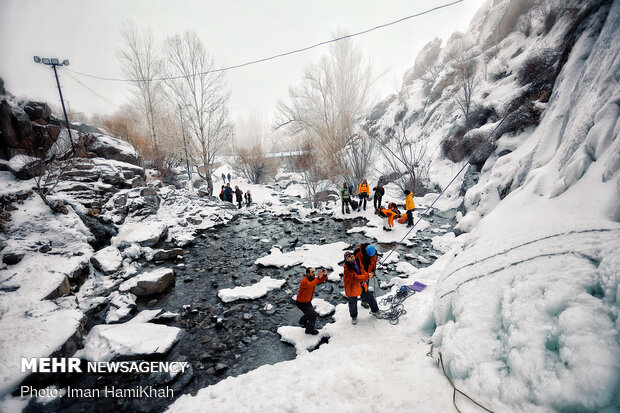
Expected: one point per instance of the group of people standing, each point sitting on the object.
(226, 194)
(391, 212)
(359, 267)
(363, 192)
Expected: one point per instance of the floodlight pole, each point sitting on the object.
(56, 62)
(63, 107)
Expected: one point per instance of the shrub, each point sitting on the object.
(539, 70)
(164, 163)
(520, 114)
(456, 149)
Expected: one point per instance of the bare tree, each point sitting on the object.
(466, 77)
(404, 157)
(47, 168)
(253, 163)
(141, 64)
(197, 87)
(357, 156)
(316, 178)
(332, 98)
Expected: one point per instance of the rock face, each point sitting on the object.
(111, 148)
(107, 260)
(149, 283)
(37, 110)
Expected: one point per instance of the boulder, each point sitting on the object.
(149, 283)
(15, 129)
(19, 166)
(37, 110)
(135, 340)
(164, 255)
(145, 234)
(107, 260)
(12, 258)
(111, 148)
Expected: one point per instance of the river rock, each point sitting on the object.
(149, 283)
(145, 234)
(12, 258)
(107, 260)
(107, 342)
(164, 255)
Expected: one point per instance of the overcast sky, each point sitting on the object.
(87, 33)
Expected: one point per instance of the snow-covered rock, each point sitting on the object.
(145, 234)
(107, 260)
(111, 148)
(250, 292)
(149, 283)
(106, 342)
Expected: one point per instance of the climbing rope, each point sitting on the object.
(439, 362)
(395, 302)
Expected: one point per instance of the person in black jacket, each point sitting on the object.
(228, 193)
(379, 192)
(239, 196)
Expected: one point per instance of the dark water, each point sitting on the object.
(228, 339)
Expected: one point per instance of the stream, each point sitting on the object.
(228, 339)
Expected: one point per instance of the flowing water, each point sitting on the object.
(227, 339)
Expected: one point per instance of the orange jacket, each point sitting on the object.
(363, 189)
(306, 289)
(372, 262)
(352, 281)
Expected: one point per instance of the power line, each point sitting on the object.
(92, 91)
(303, 49)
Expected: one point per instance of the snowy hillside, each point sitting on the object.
(524, 308)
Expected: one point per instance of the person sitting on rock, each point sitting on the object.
(304, 299)
(355, 285)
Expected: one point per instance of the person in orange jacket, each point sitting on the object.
(363, 192)
(390, 213)
(304, 299)
(355, 284)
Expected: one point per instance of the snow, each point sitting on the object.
(523, 307)
(406, 268)
(142, 233)
(327, 256)
(399, 233)
(108, 260)
(322, 307)
(446, 242)
(106, 342)
(250, 292)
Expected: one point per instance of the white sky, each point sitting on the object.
(87, 33)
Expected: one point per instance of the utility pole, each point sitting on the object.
(189, 171)
(55, 62)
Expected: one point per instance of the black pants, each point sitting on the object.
(377, 201)
(367, 297)
(309, 318)
(363, 198)
(410, 217)
(239, 203)
(346, 202)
